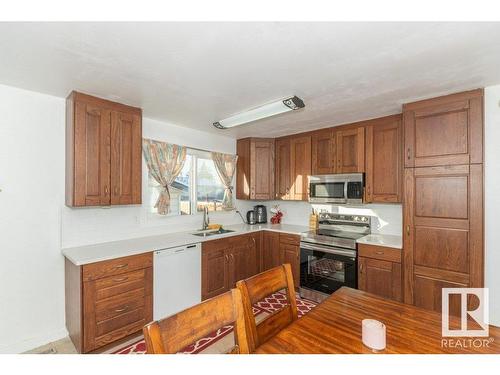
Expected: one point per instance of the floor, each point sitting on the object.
(64, 346)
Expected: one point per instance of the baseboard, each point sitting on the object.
(33, 342)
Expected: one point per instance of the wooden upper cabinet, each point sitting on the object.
(444, 131)
(300, 167)
(103, 152)
(282, 168)
(255, 169)
(323, 151)
(384, 160)
(126, 179)
(350, 150)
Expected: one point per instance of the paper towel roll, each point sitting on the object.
(373, 334)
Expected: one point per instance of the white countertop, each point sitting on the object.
(386, 240)
(109, 250)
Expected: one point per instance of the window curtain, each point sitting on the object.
(165, 162)
(225, 165)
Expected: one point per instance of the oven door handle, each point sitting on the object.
(328, 249)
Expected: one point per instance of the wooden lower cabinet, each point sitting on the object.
(290, 253)
(271, 255)
(228, 260)
(214, 264)
(108, 300)
(379, 271)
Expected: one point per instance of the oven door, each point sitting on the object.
(326, 269)
(327, 192)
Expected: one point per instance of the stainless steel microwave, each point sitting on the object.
(336, 188)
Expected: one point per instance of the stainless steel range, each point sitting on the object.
(328, 256)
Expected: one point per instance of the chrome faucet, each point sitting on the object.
(206, 219)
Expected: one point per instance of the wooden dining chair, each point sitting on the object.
(258, 287)
(172, 334)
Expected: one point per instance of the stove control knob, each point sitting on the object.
(356, 218)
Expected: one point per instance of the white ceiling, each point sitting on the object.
(192, 74)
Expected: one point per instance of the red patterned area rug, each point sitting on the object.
(270, 304)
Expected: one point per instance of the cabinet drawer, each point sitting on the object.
(119, 305)
(120, 321)
(115, 285)
(380, 252)
(117, 266)
(291, 239)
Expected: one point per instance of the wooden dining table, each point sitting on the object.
(334, 326)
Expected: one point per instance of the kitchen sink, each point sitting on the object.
(212, 232)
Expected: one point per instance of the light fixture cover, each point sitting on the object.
(289, 104)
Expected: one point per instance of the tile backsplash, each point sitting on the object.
(386, 218)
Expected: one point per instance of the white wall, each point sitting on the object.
(32, 183)
(386, 218)
(492, 198)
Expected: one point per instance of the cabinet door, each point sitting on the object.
(383, 161)
(243, 258)
(323, 149)
(300, 167)
(282, 169)
(428, 293)
(290, 254)
(126, 162)
(270, 250)
(262, 169)
(443, 236)
(444, 131)
(351, 150)
(92, 128)
(214, 268)
(243, 169)
(380, 277)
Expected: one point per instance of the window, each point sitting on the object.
(197, 186)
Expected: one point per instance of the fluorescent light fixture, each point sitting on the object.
(289, 104)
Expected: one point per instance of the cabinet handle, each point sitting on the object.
(120, 279)
(254, 243)
(361, 267)
(122, 309)
(408, 153)
(120, 266)
(379, 252)
(408, 230)
(105, 190)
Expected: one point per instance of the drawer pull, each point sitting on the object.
(120, 266)
(119, 279)
(379, 253)
(122, 309)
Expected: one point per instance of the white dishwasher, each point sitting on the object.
(177, 279)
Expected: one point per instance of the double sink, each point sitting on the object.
(212, 232)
